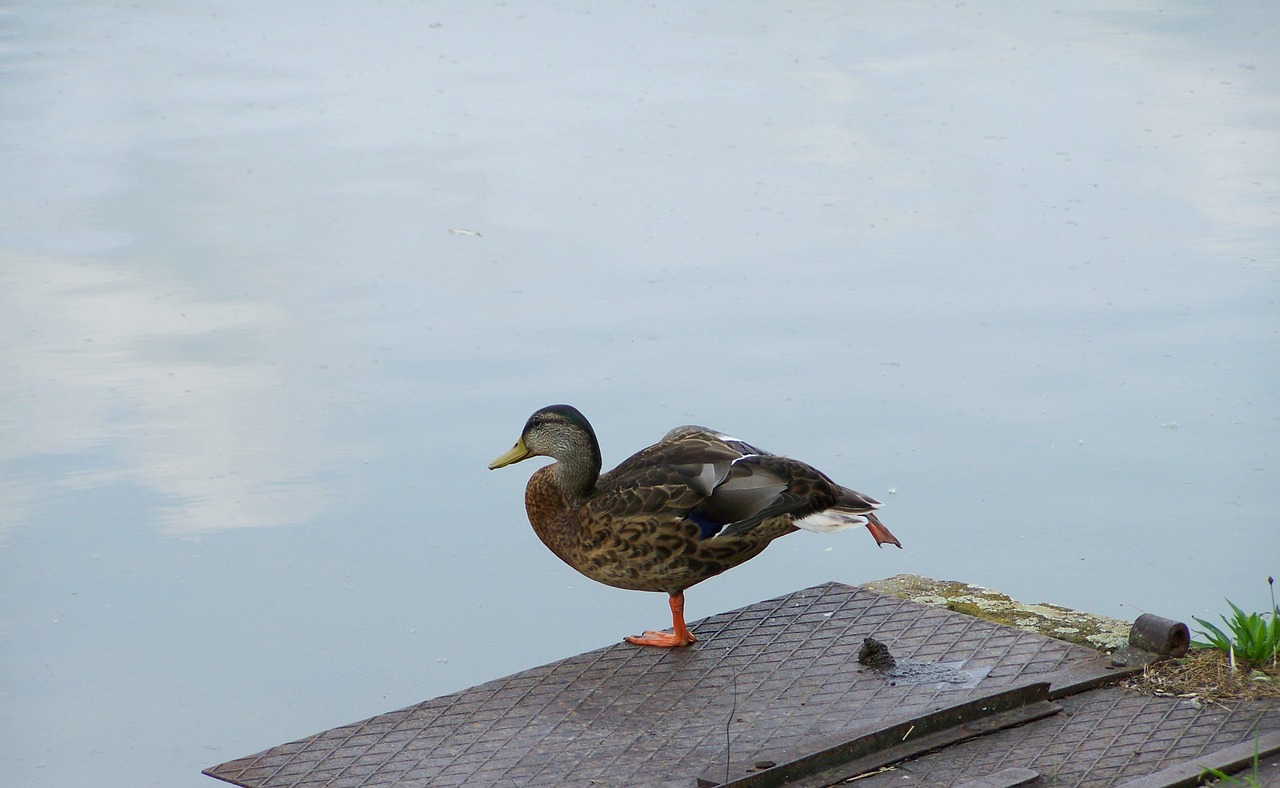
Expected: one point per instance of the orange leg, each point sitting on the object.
(681, 636)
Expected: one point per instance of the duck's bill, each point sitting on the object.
(515, 454)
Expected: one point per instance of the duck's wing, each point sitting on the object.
(665, 480)
(762, 487)
(710, 435)
(723, 485)
(728, 487)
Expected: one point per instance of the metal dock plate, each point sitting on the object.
(766, 685)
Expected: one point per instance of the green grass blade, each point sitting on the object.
(1217, 638)
(1239, 613)
(1258, 632)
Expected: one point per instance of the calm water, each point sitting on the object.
(278, 280)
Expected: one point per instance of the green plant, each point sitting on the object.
(1223, 778)
(1253, 640)
(1249, 780)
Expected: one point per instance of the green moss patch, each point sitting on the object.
(1055, 621)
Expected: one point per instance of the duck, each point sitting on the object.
(695, 504)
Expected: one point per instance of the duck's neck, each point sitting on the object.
(576, 470)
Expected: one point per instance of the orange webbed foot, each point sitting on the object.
(880, 533)
(662, 639)
(680, 635)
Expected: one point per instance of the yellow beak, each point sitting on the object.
(515, 454)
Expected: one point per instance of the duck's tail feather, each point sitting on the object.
(838, 518)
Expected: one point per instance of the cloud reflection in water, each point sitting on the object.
(194, 400)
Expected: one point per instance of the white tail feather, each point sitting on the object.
(830, 521)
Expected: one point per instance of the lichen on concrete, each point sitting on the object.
(1055, 621)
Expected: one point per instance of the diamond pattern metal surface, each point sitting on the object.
(773, 677)
(1102, 738)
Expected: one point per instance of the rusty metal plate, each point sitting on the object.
(1247, 756)
(882, 745)
(777, 676)
(1104, 737)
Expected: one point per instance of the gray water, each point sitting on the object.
(277, 280)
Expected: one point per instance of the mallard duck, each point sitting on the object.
(687, 508)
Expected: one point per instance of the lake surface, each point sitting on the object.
(277, 280)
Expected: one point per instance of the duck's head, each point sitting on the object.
(560, 432)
